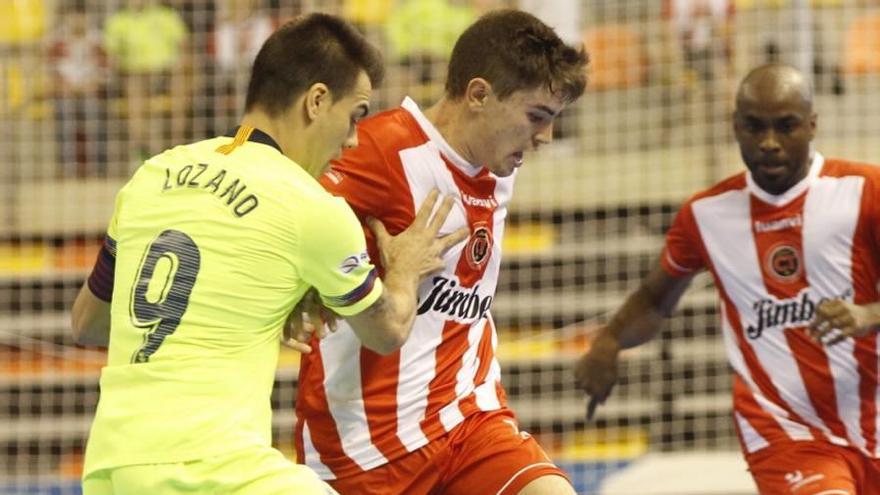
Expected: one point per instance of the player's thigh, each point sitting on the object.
(155, 479)
(260, 470)
(550, 484)
(871, 484)
(414, 473)
(802, 468)
(493, 456)
(265, 471)
(158, 479)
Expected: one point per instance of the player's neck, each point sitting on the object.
(289, 136)
(260, 120)
(449, 118)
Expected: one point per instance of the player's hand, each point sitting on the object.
(418, 250)
(309, 318)
(836, 320)
(596, 371)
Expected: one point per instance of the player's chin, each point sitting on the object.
(503, 170)
(324, 167)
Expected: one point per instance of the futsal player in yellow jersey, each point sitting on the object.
(210, 247)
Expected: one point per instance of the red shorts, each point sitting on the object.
(486, 453)
(814, 468)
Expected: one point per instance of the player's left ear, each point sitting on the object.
(734, 118)
(813, 120)
(477, 93)
(317, 100)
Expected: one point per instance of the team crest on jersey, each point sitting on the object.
(479, 246)
(784, 262)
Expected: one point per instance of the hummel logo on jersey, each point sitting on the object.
(781, 224)
(797, 311)
(481, 202)
(446, 297)
(796, 480)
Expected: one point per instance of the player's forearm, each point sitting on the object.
(385, 326)
(642, 315)
(402, 291)
(636, 322)
(93, 335)
(90, 319)
(866, 316)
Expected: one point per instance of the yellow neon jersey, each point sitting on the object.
(215, 243)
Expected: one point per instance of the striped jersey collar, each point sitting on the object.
(248, 133)
(434, 135)
(795, 191)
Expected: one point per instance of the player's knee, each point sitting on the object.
(549, 484)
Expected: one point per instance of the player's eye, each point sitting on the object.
(787, 126)
(754, 126)
(535, 118)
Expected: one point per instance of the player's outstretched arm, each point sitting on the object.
(90, 318)
(407, 257)
(636, 322)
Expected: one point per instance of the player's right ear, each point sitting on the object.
(317, 100)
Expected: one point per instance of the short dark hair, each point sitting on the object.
(310, 49)
(514, 50)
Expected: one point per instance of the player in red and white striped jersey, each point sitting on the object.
(793, 245)
(426, 412)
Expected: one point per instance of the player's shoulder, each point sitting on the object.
(187, 153)
(310, 195)
(174, 158)
(837, 167)
(376, 163)
(392, 130)
(325, 217)
(735, 182)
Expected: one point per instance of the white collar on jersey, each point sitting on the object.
(434, 135)
(794, 191)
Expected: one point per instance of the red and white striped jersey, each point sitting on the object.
(356, 409)
(774, 259)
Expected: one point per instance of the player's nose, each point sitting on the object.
(544, 136)
(351, 141)
(769, 142)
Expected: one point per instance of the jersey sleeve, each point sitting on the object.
(112, 229)
(101, 279)
(874, 210)
(681, 254)
(334, 260)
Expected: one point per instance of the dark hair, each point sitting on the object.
(514, 50)
(307, 50)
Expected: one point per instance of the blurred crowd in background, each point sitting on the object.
(97, 86)
(121, 80)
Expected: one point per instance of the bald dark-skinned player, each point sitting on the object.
(793, 245)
